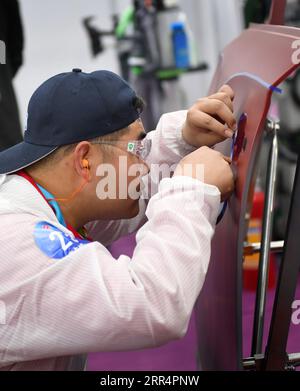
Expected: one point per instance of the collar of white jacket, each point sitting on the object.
(17, 195)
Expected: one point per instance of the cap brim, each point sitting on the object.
(22, 155)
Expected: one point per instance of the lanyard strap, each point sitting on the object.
(54, 206)
(50, 199)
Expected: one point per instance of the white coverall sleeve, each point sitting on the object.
(168, 147)
(89, 301)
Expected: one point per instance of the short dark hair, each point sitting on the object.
(139, 104)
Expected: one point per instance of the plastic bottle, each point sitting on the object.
(180, 45)
(193, 52)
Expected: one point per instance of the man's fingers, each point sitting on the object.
(222, 96)
(228, 90)
(232, 166)
(216, 107)
(205, 121)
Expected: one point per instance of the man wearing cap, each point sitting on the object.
(72, 188)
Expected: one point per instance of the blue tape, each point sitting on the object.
(256, 78)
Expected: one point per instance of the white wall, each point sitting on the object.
(56, 41)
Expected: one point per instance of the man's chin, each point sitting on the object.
(128, 211)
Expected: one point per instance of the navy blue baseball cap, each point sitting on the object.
(69, 108)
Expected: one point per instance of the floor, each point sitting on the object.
(181, 355)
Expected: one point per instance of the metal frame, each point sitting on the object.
(272, 128)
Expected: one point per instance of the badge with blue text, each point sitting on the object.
(54, 242)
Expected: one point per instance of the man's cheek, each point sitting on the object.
(135, 173)
(134, 188)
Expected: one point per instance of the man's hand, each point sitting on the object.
(217, 169)
(210, 120)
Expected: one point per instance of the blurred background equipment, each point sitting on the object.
(160, 48)
(11, 33)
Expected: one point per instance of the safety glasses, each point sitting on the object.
(139, 148)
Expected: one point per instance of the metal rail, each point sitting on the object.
(272, 128)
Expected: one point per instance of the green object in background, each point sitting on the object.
(137, 71)
(126, 19)
(161, 74)
(170, 73)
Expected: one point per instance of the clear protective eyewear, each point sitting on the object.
(139, 148)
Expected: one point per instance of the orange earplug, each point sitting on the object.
(85, 163)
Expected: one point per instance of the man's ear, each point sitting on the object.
(84, 159)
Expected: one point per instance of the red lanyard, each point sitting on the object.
(24, 175)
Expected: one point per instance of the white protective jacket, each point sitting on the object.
(54, 311)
